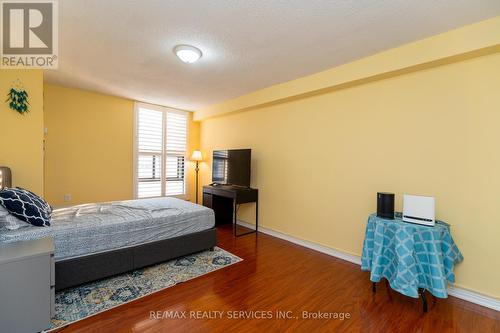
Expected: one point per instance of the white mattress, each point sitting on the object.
(93, 228)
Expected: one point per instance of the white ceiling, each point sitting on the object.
(124, 47)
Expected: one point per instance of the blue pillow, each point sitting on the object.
(26, 206)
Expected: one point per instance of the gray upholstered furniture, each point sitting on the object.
(5, 177)
(95, 241)
(75, 271)
(27, 280)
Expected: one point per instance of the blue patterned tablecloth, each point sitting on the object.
(410, 256)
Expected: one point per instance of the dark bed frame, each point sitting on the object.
(76, 271)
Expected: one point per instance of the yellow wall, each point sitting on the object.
(459, 44)
(193, 144)
(319, 161)
(89, 146)
(21, 136)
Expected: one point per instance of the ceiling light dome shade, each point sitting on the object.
(187, 53)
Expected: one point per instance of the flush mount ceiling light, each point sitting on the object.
(187, 53)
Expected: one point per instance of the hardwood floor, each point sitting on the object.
(276, 275)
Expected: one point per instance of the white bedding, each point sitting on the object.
(93, 228)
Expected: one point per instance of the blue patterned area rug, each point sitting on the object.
(90, 299)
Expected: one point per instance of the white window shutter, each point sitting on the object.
(161, 152)
(176, 129)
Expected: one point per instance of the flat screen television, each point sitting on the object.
(231, 167)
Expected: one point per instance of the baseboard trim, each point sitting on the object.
(474, 297)
(462, 293)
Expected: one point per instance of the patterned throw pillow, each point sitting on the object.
(40, 199)
(26, 206)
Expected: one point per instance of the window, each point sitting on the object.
(220, 166)
(161, 141)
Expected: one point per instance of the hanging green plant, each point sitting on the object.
(18, 100)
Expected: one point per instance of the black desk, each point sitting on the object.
(224, 200)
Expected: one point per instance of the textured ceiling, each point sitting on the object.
(124, 47)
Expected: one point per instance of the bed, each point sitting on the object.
(95, 241)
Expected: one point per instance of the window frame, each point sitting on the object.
(163, 177)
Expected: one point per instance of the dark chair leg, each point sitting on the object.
(374, 287)
(433, 300)
(424, 300)
(388, 288)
